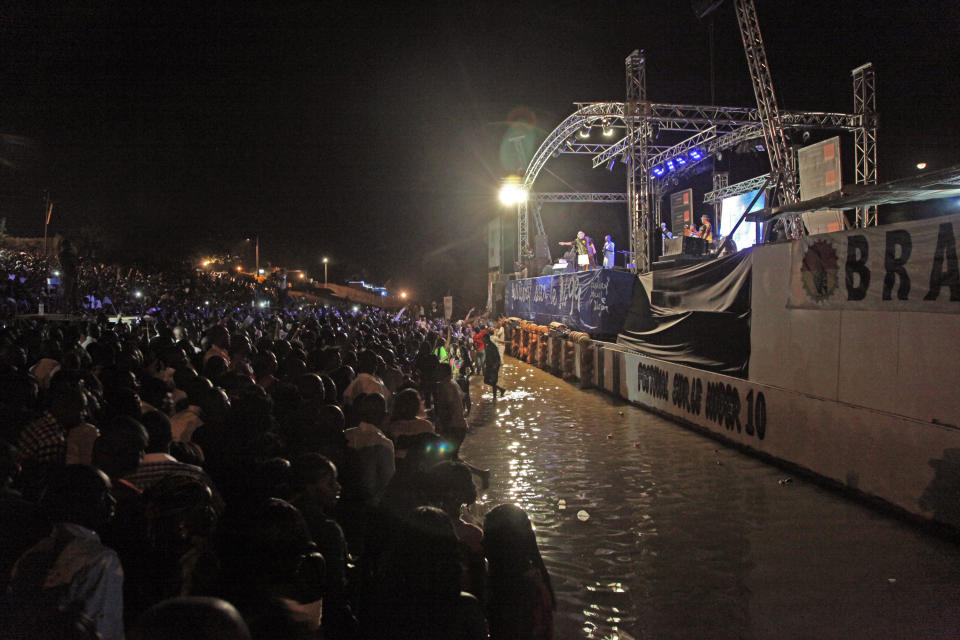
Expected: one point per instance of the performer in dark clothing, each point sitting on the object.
(491, 366)
(585, 251)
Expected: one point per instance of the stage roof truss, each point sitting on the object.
(540, 198)
(736, 189)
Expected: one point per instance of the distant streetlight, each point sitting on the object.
(325, 261)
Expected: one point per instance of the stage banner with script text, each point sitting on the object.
(910, 266)
(594, 301)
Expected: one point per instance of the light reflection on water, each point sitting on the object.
(675, 545)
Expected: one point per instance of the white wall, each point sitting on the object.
(906, 363)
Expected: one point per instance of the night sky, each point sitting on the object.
(374, 133)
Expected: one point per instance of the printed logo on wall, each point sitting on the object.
(819, 269)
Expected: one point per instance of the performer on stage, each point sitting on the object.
(585, 251)
(609, 253)
(664, 236)
(706, 229)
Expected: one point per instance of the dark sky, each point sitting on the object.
(372, 132)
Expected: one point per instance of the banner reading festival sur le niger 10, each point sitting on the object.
(902, 267)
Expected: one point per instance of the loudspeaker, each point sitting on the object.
(685, 245)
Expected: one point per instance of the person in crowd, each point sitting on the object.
(21, 522)
(499, 338)
(44, 441)
(407, 420)
(491, 368)
(521, 600)
(71, 569)
(270, 570)
(451, 487)
(478, 349)
(370, 453)
(422, 598)
(450, 413)
(218, 341)
(315, 493)
(191, 618)
(367, 380)
(157, 462)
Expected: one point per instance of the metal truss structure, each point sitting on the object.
(721, 180)
(578, 197)
(781, 162)
(865, 137)
(639, 225)
(721, 192)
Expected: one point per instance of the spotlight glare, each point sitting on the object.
(512, 193)
(921, 165)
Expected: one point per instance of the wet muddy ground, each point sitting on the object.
(653, 531)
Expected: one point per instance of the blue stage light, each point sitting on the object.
(658, 171)
(670, 165)
(681, 161)
(696, 155)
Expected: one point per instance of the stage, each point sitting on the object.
(595, 302)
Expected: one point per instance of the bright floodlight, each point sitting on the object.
(512, 193)
(921, 165)
(607, 129)
(403, 294)
(137, 294)
(325, 260)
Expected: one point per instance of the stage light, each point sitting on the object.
(607, 129)
(137, 294)
(696, 155)
(613, 162)
(921, 165)
(658, 171)
(585, 132)
(403, 295)
(512, 193)
(681, 161)
(669, 165)
(56, 274)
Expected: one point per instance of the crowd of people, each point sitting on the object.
(219, 469)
